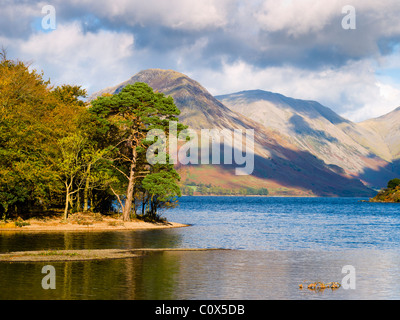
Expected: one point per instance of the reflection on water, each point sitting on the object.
(209, 275)
(282, 242)
(18, 241)
(320, 224)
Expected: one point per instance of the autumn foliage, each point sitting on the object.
(59, 152)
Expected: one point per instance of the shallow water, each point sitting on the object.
(276, 243)
(215, 275)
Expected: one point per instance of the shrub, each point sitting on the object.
(392, 184)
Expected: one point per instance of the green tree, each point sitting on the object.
(392, 184)
(73, 145)
(187, 190)
(124, 120)
(54, 151)
(34, 118)
(71, 166)
(162, 190)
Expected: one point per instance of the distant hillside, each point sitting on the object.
(389, 194)
(387, 128)
(280, 165)
(317, 129)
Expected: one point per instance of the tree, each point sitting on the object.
(392, 184)
(73, 146)
(71, 166)
(34, 118)
(187, 190)
(20, 140)
(124, 120)
(96, 175)
(24, 99)
(163, 192)
(54, 151)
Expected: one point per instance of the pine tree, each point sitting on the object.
(124, 120)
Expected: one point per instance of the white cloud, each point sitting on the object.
(71, 56)
(297, 17)
(176, 14)
(310, 16)
(296, 48)
(15, 18)
(352, 91)
(385, 101)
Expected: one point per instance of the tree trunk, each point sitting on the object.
(71, 200)
(143, 203)
(78, 202)
(66, 204)
(126, 216)
(86, 192)
(134, 209)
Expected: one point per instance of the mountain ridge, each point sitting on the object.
(183, 89)
(278, 97)
(279, 163)
(318, 129)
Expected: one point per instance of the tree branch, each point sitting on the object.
(118, 197)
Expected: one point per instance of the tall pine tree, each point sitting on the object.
(124, 120)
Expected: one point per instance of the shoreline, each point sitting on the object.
(85, 223)
(277, 196)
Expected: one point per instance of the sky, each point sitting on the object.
(300, 48)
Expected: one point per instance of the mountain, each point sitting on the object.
(387, 129)
(199, 109)
(312, 127)
(279, 163)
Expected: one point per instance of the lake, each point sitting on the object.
(275, 244)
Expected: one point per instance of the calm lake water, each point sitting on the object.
(276, 243)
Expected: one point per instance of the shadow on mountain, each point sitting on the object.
(380, 177)
(301, 170)
(300, 126)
